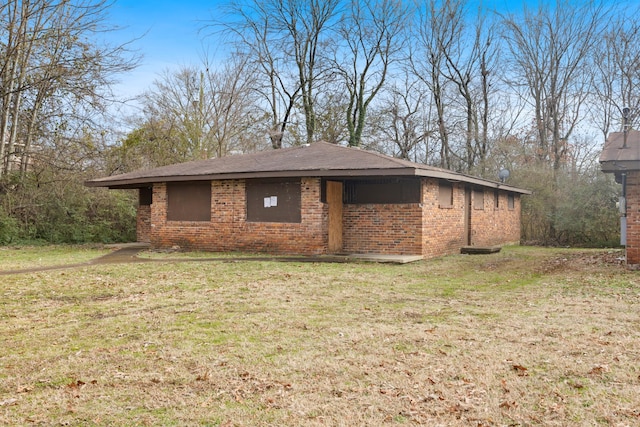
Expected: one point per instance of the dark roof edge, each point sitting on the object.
(407, 171)
(609, 166)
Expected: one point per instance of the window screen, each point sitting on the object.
(445, 194)
(511, 201)
(273, 200)
(386, 190)
(189, 201)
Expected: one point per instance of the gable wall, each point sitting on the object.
(228, 229)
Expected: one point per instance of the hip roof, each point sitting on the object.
(320, 159)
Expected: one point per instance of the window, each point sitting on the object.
(511, 201)
(189, 201)
(478, 199)
(273, 200)
(145, 196)
(496, 199)
(445, 194)
(386, 190)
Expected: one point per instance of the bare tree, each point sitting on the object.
(52, 57)
(198, 113)
(616, 73)
(232, 113)
(550, 61)
(470, 61)
(456, 57)
(306, 22)
(550, 52)
(251, 26)
(331, 114)
(427, 60)
(370, 38)
(285, 39)
(402, 118)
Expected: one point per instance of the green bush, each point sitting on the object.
(9, 228)
(60, 209)
(569, 208)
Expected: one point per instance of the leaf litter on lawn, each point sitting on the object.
(489, 340)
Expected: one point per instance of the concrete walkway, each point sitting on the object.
(126, 253)
(122, 254)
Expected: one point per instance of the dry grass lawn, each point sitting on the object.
(18, 258)
(528, 336)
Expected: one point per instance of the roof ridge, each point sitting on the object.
(402, 162)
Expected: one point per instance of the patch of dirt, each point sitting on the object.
(582, 261)
(119, 256)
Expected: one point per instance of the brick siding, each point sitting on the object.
(382, 228)
(143, 224)
(444, 231)
(410, 229)
(633, 219)
(229, 230)
(491, 225)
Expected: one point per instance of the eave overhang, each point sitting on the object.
(320, 160)
(618, 166)
(336, 174)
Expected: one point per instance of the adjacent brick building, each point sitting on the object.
(621, 156)
(320, 199)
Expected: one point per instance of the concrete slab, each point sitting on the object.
(480, 250)
(393, 259)
(132, 245)
(129, 249)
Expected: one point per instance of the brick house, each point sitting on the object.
(621, 156)
(320, 199)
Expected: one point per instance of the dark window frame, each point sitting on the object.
(145, 196)
(189, 201)
(389, 190)
(511, 201)
(274, 200)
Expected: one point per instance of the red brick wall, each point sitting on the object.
(443, 227)
(143, 224)
(382, 228)
(229, 230)
(413, 228)
(633, 219)
(495, 226)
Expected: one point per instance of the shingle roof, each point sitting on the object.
(319, 159)
(619, 155)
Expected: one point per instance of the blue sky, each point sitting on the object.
(168, 33)
(170, 36)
